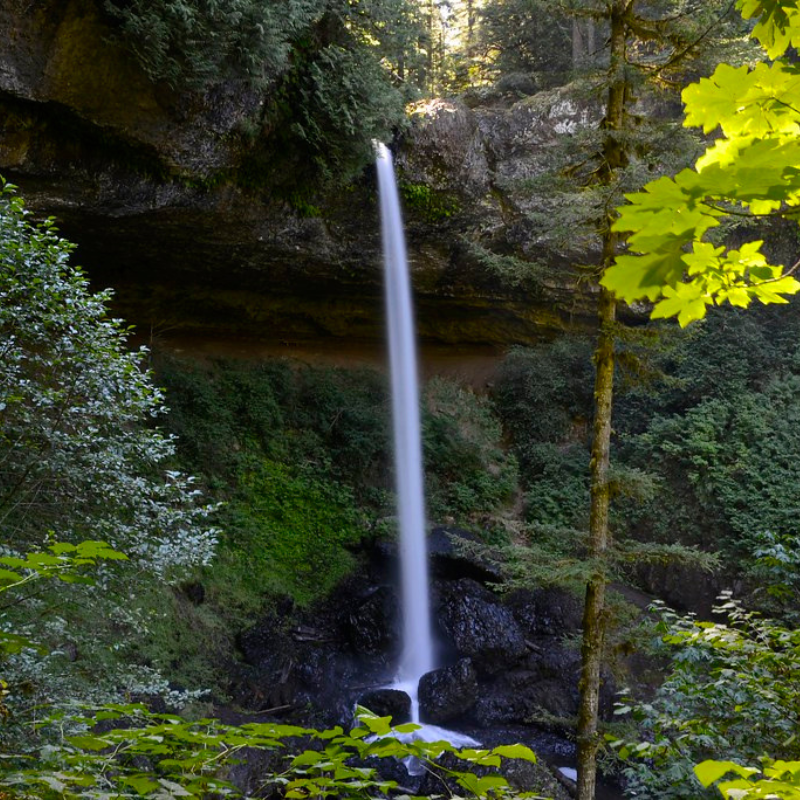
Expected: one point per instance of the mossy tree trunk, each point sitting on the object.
(594, 617)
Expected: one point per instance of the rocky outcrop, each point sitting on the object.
(161, 191)
(448, 693)
(502, 661)
(479, 626)
(388, 703)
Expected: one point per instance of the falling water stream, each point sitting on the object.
(417, 657)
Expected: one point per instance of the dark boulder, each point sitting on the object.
(547, 685)
(480, 627)
(388, 703)
(373, 626)
(266, 644)
(553, 696)
(553, 659)
(546, 612)
(497, 706)
(448, 693)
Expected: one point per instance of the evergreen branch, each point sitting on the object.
(686, 50)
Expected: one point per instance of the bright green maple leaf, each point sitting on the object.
(752, 170)
(685, 301)
(777, 26)
(704, 256)
(745, 102)
(711, 101)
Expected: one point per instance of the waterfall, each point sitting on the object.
(417, 656)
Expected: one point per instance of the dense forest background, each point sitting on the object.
(156, 505)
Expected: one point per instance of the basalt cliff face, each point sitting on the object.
(153, 186)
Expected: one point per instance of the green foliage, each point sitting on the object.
(126, 750)
(771, 779)
(559, 486)
(526, 36)
(164, 756)
(64, 562)
(303, 457)
(544, 394)
(776, 568)
(751, 170)
(730, 693)
(287, 447)
(776, 26)
(514, 270)
(731, 460)
(333, 419)
(191, 42)
(433, 206)
(718, 440)
(76, 454)
(544, 398)
(341, 417)
(292, 530)
(328, 72)
(333, 424)
(468, 473)
(61, 563)
(705, 427)
(81, 464)
(217, 411)
(344, 104)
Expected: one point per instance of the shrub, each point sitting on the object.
(78, 455)
(730, 694)
(468, 472)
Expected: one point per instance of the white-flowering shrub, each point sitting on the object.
(80, 455)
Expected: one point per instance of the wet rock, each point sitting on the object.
(450, 561)
(391, 769)
(554, 696)
(480, 627)
(548, 686)
(552, 659)
(499, 706)
(683, 587)
(388, 703)
(254, 768)
(372, 627)
(525, 776)
(265, 645)
(546, 612)
(448, 693)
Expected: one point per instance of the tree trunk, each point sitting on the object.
(594, 616)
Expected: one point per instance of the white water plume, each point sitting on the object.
(417, 657)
